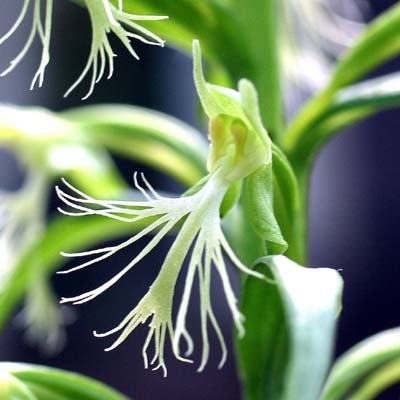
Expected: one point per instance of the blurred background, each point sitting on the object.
(354, 214)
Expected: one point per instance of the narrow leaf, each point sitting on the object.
(348, 106)
(62, 384)
(379, 43)
(148, 136)
(371, 361)
(13, 389)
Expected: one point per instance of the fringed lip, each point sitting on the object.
(105, 19)
(40, 27)
(200, 240)
(108, 19)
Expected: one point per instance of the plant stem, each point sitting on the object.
(260, 24)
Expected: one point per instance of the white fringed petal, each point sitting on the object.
(106, 19)
(40, 27)
(199, 238)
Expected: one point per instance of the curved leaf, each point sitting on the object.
(60, 384)
(348, 106)
(46, 142)
(366, 369)
(380, 42)
(290, 327)
(13, 389)
(145, 135)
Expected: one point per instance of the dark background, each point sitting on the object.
(354, 212)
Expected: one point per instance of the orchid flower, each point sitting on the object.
(105, 18)
(239, 146)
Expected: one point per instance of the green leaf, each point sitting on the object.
(348, 106)
(366, 369)
(61, 384)
(290, 327)
(260, 27)
(379, 43)
(144, 135)
(50, 144)
(13, 389)
(378, 92)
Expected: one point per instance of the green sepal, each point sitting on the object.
(258, 190)
(236, 130)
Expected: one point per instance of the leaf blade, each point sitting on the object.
(359, 362)
(306, 325)
(61, 383)
(145, 135)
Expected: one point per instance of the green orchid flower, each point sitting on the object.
(239, 147)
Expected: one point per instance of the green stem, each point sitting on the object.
(301, 231)
(260, 26)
